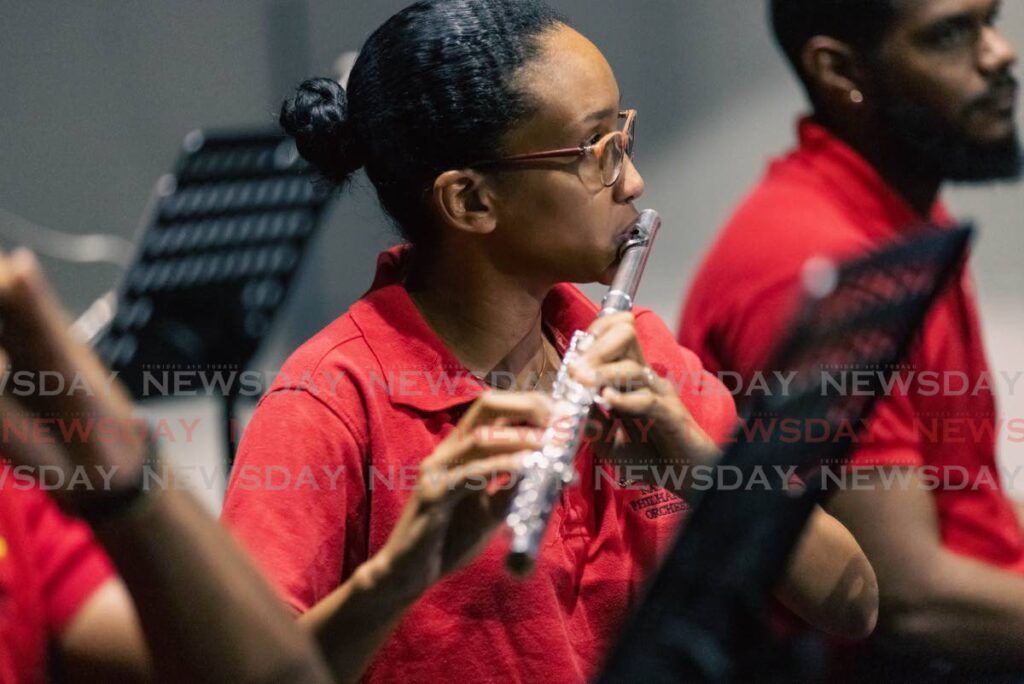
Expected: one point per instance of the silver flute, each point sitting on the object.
(552, 467)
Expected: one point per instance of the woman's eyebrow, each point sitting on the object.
(591, 120)
(600, 115)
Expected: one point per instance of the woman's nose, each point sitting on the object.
(630, 185)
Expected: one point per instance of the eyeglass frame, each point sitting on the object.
(597, 149)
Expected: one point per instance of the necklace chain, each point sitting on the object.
(537, 380)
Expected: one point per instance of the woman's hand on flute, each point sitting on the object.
(464, 489)
(647, 424)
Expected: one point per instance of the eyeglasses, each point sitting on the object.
(610, 151)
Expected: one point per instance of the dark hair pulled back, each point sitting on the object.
(431, 90)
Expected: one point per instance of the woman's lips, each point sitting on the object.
(621, 237)
(624, 232)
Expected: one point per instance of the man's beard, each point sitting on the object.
(942, 148)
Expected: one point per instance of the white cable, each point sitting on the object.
(83, 249)
(87, 328)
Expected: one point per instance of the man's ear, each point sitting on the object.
(464, 200)
(834, 71)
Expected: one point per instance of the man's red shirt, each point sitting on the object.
(823, 199)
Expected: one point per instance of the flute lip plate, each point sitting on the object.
(639, 231)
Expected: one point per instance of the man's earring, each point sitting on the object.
(856, 97)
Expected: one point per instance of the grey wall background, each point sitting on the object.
(96, 95)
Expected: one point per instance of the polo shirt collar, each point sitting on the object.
(421, 371)
(875, 202)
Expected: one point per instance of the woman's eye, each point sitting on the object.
(592, 140)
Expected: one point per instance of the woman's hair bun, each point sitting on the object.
(317, 117)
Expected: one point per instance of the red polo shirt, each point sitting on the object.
(49, 567)
(325, 467)
(823, 199)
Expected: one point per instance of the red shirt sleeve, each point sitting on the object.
(70, 563)
(296, 499)
(746, 295)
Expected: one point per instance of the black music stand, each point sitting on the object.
(221, 242)
(705, 615)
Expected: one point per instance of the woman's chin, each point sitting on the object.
(608, 275)
(599, 270)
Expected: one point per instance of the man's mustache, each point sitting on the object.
(1002, 87)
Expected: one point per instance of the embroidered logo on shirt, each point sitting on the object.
(659, 504)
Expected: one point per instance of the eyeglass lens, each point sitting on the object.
(611, 161)
(613, 156)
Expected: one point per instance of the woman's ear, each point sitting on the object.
(464, 200)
